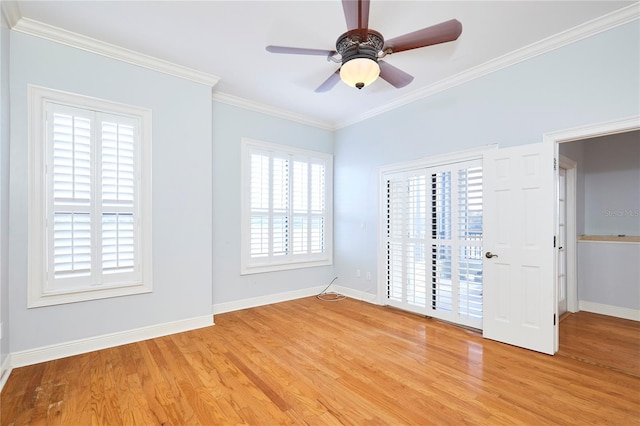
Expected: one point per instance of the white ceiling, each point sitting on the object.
(228, 38)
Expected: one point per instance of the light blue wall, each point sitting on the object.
(609, 273)
(196, 168)
(608, 183)
(594, 80)
(182, 193)
(611, 168)
(4, 187)
(230, 125)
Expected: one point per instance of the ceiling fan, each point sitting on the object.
(360, 49)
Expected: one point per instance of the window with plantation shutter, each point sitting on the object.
(433, 241)
(286, 207)
(90, 216)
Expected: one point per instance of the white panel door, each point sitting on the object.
(519, 282)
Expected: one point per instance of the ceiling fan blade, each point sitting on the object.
(329, 83)
(300, 51)
(440, 33)
(394, 76)
(356, 13)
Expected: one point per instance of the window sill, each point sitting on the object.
(248, 270)
(82, 295)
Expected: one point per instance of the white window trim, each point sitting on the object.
(38, 98)
(435, 160)
(246, 267)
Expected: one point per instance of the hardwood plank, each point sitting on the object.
(607, 341)
(346, 362)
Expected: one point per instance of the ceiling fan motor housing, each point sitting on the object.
(350, 45)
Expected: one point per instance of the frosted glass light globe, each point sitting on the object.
(359, 72)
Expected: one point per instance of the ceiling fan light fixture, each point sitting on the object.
(359, 72)
(360, 48)
(359, 57)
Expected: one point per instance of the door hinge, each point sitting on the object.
(554, 241)
(554, 319)
(555, 164)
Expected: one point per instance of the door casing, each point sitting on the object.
(571, 230)
(553, 139)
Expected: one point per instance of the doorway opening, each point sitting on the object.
(576, 207)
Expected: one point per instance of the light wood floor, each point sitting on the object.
(607, 341)
(323, 363)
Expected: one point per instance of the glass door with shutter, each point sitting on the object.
(434, 241)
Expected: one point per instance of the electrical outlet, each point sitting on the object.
(357, 273)
(368, 276)
(0, 331)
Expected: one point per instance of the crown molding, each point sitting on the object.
(49, 32)
(588, 29)
(270, 110)
(622, 16)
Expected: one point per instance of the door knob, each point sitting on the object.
(489, 255)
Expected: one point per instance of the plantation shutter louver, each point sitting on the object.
(71, 164)
(470, 237)
(300, 198)
(118, 188)
(280, 193)
(260, 224)
(287, 208)
(434, 241)
(317, 208)
(92, 179)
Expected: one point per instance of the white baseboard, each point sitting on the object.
(356, 294)
(613, 311)
(220, 308)
(76, 347)
(5, 371)
(253, 302)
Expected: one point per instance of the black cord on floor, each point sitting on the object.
(330, 296)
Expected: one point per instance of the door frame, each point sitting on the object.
(571, 242)
(553, 139)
